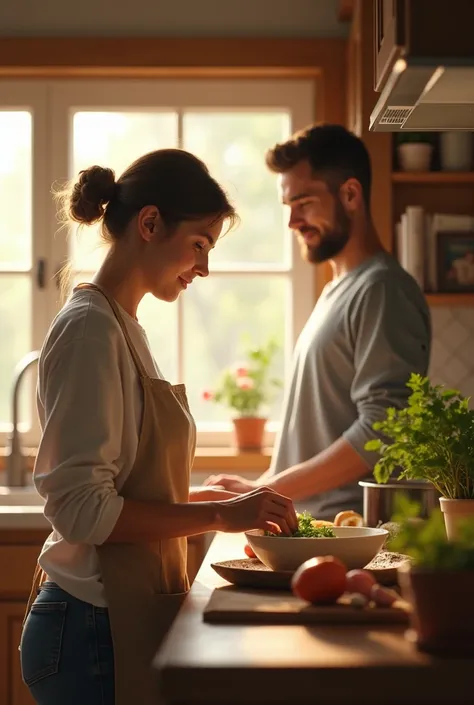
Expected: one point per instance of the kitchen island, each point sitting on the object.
(209, 664)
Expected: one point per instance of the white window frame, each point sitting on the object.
(53, 104)
(33, 97)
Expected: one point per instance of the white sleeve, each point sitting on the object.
(80, 389)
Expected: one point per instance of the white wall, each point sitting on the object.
(184, 18)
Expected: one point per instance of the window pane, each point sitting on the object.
(15, 189)
(218, 312)
(233, 145)
(15, 334)
(113, 140)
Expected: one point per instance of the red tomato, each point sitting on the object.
(248, 551)
(320, 580)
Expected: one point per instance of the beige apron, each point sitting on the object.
(145, 583)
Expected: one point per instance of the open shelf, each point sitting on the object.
(433, 177)
(450, 299)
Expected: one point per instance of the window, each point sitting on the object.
(258, 284)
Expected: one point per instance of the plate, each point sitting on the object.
(250, 572)
(388, 574)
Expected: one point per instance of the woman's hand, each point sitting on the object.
(262, 508)
(231, 483)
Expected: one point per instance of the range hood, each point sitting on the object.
(424, 95)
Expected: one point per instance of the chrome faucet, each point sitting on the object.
(15, 460)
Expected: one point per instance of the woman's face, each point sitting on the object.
(172, 260)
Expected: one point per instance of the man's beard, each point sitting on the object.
(331, 242)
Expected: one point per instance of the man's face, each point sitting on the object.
(317, 217)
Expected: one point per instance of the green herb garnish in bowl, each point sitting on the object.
(307, 529)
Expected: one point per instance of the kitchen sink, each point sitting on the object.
(19, 497)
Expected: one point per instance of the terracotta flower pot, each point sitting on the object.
(248, 432)
(442, 620)
(455, 511)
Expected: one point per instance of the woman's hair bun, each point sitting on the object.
(93, 190)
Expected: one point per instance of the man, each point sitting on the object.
(370, 328)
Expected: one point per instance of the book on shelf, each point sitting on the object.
(416, 242)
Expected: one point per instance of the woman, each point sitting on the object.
(118, 443)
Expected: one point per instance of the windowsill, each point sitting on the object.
(206, 459)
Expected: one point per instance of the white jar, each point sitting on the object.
(415, 156)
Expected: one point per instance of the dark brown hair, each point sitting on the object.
(334, 153)
(175, 181)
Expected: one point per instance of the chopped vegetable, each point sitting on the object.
(306, 529)
(249, 551)
(383, 597)
(358, 600)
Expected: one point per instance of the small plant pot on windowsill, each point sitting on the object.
(454, 512)
(442, 621)
(249, 432)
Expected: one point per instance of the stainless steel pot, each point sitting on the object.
(379, 500)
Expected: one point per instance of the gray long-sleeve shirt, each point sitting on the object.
(369, 330)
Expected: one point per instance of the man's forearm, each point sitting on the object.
(338, 465)
(267, 475)
(209, 494)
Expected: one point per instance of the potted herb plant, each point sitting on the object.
(438, 581)
(247, 389)
(414, 150)
(431, 439)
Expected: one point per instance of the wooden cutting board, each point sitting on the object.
(231, 605)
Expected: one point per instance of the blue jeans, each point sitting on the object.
(67, 653)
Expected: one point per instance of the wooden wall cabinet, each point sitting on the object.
(420, 28)
(389, 36)
(373, 37)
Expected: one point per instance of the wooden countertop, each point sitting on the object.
(248, 665)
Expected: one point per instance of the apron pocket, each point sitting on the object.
(41, 640)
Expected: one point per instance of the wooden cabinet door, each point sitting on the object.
(354, 78)
(12, 689)
(389, 37)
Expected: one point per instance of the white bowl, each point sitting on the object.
(354, 546)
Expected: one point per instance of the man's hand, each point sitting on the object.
(232, 483)
(210, 494)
